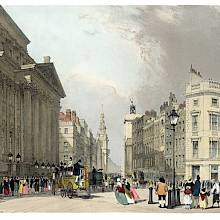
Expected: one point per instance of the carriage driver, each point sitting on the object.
(70, 166)
(77, 171)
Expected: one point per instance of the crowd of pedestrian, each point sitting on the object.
(11, 186)
(196, 193)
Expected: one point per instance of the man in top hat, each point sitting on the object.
(77, 171)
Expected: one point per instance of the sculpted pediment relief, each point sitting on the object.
(49, 72)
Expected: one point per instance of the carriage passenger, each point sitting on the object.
(77, 171)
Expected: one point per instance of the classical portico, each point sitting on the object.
(30, 96)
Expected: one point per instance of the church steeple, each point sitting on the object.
(102, 127)
(102, 140)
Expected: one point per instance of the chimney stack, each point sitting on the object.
(47, 59)
(68, 115)
(74, 116)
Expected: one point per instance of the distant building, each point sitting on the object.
(179, 150)
(152, 152)
(76, 141)
(152, 143)
(137, 147)
(128, 171)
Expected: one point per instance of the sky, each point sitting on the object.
(110, 54)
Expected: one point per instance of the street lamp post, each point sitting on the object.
(43, 167)
(18, 159)
(10, 157)
(48, 168)
(53, 178)
(173, 122)
(36, 166)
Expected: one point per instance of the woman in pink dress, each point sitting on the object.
(134, 194)
(133, 191)
(25, 188)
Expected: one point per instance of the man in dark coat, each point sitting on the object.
(76, 170)
(196, 192)
(94, 171)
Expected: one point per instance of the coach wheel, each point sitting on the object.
(62, 193)
(70, 190)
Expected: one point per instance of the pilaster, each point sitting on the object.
(27, 124)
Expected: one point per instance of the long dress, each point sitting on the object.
(25, 189)
(203, 203)
(21, 186)
(1, 188)
(121, 198)
(129, 196)
(6, 187)
(134, 194)
(16, 187)
(188, 194)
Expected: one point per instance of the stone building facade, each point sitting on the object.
(152, 143)
(138, 146)
(128, 171)
(196, 143)
(30, 96)
(179, 146)
(149, 165)
(76, 141)
(202, 127)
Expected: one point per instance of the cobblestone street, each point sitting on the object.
(100, 202)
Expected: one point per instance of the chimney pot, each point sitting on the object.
(47, 59)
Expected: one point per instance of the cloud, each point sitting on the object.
(128, 23)
(169, 15)
(94, 82)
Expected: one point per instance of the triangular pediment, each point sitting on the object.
(49, 72)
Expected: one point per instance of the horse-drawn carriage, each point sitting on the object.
(71, 186)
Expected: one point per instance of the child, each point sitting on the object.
(203, 199)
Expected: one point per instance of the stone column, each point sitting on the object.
(13, 124)
(52, 135)
(46, 131)
(18, 127)
(22, 118)
(49, 156)
(1, 114)
(27, 124)
(16, 122)
(4, 122)
(57, 132)
(35, 126)
(42, 131)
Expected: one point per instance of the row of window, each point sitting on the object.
(214, 149)
(150, 162)
(214, 122)
(214, 102)
(213, 171)
(179, 162)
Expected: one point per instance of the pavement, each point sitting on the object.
(99, 202)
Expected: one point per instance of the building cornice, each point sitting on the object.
(12, 25)
(202, 93)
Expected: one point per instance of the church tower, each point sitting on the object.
(102, 142)
(128, 170)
